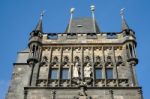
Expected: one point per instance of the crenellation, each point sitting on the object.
(77, 64)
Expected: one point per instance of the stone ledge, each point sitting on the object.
(79, 88)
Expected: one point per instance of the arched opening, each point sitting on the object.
(127, 49)
(131, 50)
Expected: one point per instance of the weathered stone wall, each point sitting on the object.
(20, 79)
(91, 93)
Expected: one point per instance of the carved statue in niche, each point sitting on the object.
(76, 70)
(109, 61)
(55, 59)
(82, 92)
(119, 59)
(108, 58)
(98, 59)
(44, 60)
(87, 59)
(77, 59)
(66, 59)
(87, 70)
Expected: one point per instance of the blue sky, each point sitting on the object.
(19, 17)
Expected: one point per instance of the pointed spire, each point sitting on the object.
(124, 23)
(93, 17)
(39, 25)
(71, 17)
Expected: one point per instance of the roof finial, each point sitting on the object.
(39, 25)
(93, 17)
(124, 23)
(42, 14)
(71, 11)
(122, 13)
(92, 8)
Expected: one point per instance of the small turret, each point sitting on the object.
(35, 42)
(125, 27)
(124, 23)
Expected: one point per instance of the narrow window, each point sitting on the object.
(98, 73)
(131, 50)
(109, 73)
(127, 49)
(65, 73)
(54, 73)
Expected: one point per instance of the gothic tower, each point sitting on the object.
(81, 63)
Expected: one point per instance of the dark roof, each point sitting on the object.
(124, 25)
(39, 26)
(83, 25)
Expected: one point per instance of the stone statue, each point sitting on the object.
(76, 70)
(44, 59)
(98, 59)
(66, 59)
(87, 70)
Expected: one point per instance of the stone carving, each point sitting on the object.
(123, 82)
(87, 59)
(98, 59)
(111, 82)
(82, 92)
(42, 83)
(119, 61)
(66, 59)
(54, 83)
(55, 60)
(119, 58)
(44, 59)
(87, 70)
(82, 89)
(109, 59)
(65, 84)
(77, 59)
(53, 92)
(76, 70)
(100, 83)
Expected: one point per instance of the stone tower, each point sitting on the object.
(81, 63)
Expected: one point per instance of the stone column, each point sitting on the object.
(134, 79)
(59, 70)
(49, 64)
(103, 67)
(93, 68)
(35, 73)
(82, 61)
(115, 66)
(31, 65)
(71, 65)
